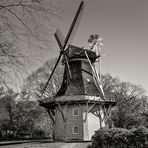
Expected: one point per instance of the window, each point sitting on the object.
(75, 130)
(75, 112)
(88, 80)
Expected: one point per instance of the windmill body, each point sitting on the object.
(79, 107)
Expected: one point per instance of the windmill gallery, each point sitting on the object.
(80, 106)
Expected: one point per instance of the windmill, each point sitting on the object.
(80, 98)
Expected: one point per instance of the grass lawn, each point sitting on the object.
(48, 145)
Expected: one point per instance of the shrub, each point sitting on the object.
(120, 138)
(140, 137)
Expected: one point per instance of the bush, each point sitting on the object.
(140, 137)
(120, 138)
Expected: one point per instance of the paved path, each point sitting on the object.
(47, 145)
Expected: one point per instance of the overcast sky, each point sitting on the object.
(123, 24)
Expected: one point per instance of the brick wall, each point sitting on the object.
(59, 126)
(64, 129)
(74, 121)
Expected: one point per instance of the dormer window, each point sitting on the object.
(75, 112)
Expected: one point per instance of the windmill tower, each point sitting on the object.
(80, 107)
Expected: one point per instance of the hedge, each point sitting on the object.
(120, 138)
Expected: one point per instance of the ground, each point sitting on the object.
(47, 145)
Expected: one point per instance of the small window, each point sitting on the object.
(75, 130)
(88, 80)
(75, 112)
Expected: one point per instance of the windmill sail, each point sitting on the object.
(51, 73)
(98, 82)
(96, 77)
(74, 25)
(62, 41)
(59, 38)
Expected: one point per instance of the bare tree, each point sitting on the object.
(35, 83)
(24, 24)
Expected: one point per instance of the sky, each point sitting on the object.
(123, 25)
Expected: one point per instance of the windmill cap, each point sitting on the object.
(74, 52)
